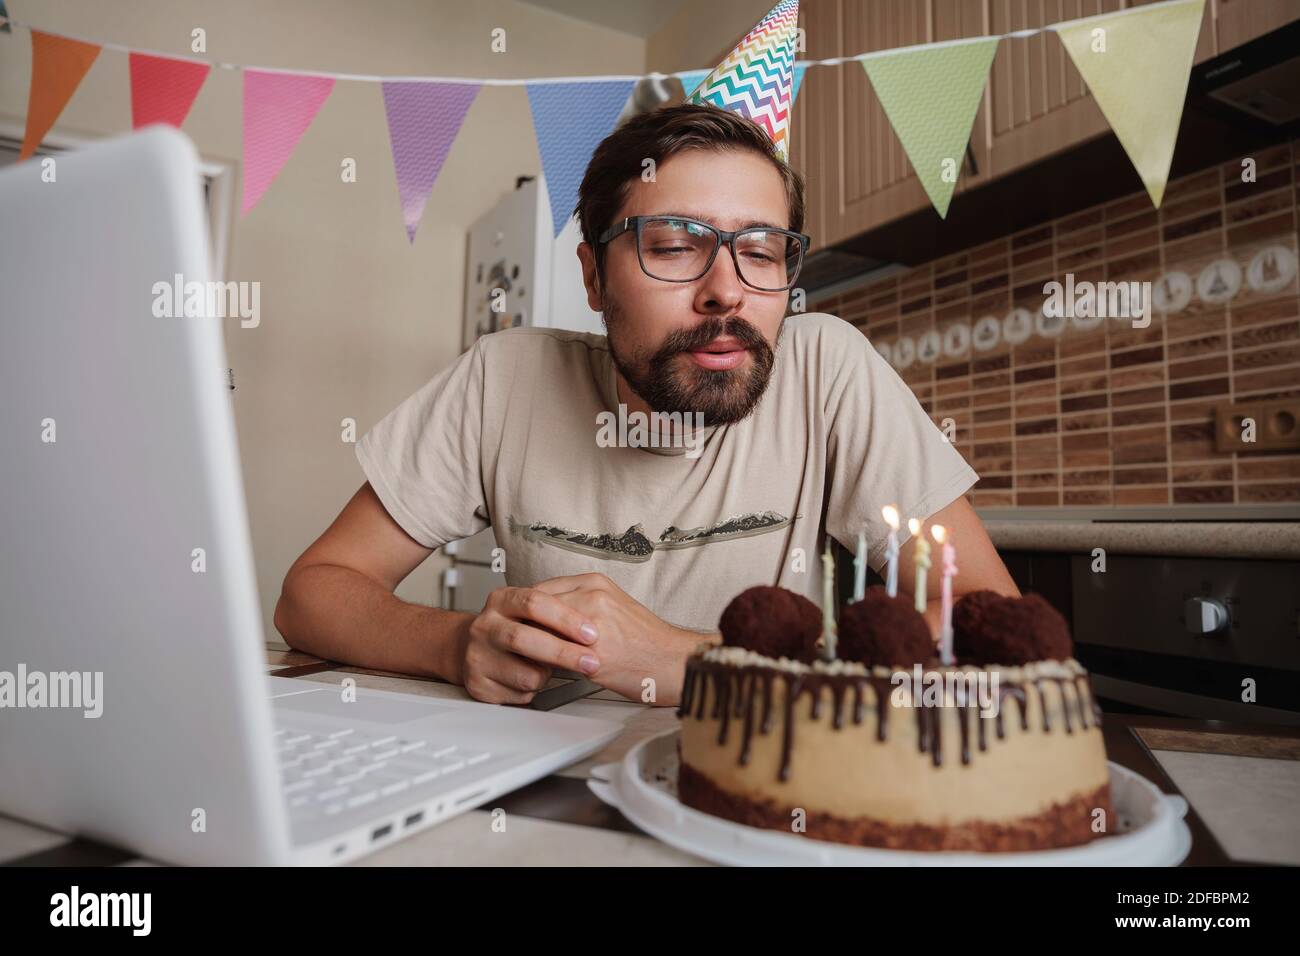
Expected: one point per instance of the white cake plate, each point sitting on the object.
(643, 786)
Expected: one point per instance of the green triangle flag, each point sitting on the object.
(931, 94)
(1137, 63)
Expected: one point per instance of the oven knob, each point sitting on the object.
(1204, 615)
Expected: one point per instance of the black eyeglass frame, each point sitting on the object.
(636, 223)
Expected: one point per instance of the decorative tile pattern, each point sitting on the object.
(1096, 414)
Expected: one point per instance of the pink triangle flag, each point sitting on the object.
(278, 108)
(163, 89)
(423, 120)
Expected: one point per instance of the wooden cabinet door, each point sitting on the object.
(1035, 103)
(1237, 21)
(858, 174)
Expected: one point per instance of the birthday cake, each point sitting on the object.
(883, 746)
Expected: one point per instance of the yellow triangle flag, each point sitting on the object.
(1137, 64)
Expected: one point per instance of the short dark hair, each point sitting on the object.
(657, 135)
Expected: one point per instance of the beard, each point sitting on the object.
(668, 380)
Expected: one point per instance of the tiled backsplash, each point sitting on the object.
(1061, 413)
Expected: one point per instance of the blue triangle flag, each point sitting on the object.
(570, 120)
(691, 79)
(799, 70)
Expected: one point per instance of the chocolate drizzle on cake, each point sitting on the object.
(737, 690)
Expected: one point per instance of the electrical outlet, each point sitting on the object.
(1258, 426)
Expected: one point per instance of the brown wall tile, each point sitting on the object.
(1117, 416)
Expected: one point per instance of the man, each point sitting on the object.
(620, 559)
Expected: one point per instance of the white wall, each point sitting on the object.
(353, 318)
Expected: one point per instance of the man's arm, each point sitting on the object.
(978, 565)
(337, 602)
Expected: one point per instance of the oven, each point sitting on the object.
(1192, 637)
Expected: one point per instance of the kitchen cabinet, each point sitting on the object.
(1035, 103)
(1237, 21)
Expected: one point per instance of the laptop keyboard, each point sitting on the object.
(323, 774)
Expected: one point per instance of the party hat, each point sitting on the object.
(756, 79)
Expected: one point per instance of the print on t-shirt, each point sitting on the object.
(635, 546)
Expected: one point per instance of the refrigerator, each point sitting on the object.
(517, 274)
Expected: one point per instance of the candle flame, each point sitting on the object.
(891, 516)
(913, 526)
(939, 532)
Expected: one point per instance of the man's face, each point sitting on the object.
(704, 346)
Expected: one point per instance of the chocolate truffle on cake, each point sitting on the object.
(1048, 626)
(991, 628)
(883, 630)
(969, 619)
(774, 622)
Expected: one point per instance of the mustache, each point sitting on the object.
(698, 336)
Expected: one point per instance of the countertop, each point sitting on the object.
(1276, 540)
(1241, 807)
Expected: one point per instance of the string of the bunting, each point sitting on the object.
(609, 78)
(1136, 63)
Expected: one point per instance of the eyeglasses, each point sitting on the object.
(674, 249)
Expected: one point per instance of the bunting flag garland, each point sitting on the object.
(278, 108)
(756, 79)
(58, 67)
(1137, 64)
(931, 94)
(163, 89)
(570, 119)
(423, 120)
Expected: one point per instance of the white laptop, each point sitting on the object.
(119, 461)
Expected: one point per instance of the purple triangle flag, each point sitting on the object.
(570, 120)
(423, 120)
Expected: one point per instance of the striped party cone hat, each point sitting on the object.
(756, 79)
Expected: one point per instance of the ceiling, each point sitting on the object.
(638, 18)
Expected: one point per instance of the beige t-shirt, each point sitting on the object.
(512, 435)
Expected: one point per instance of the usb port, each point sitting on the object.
(413, 819)
(381, 832)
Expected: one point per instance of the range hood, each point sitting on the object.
(1257, 82)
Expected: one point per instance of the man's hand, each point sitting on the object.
(510, 647)
(632, 642)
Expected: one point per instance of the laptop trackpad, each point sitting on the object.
(379, 710)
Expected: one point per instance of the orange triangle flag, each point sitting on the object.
(58, 66)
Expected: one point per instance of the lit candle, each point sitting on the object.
(860, 568)
(891, 550)
(921, 558)
(828, 604)
(949, 571)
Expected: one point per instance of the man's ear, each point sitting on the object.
(590, 277)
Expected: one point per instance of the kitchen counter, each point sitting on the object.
(558, 820)
(1276, 540)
